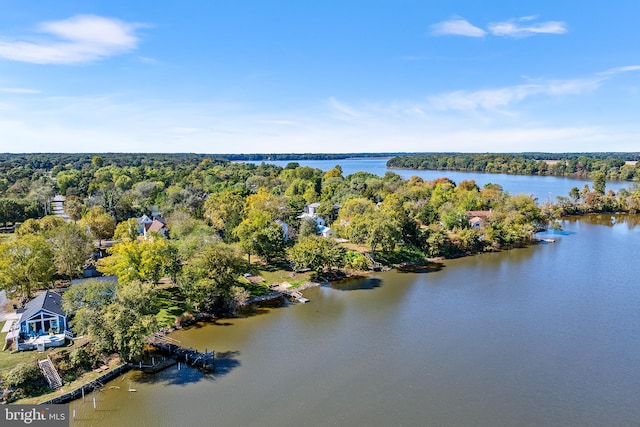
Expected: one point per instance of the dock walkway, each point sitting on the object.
(172, 348)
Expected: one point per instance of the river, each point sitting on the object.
(541, 336)
(545, 188)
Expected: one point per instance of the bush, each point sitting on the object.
(184, 319)
(27, 380)
(356, 261)
(82, 358)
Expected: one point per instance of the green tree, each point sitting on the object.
(26, 264)
(208, 278)
(11, 211)
(269, 242)
(74, 207)
(99, 222)
(132, 318)
(308, 227)
(223, 210)
(599, 182)
(68, 179)
(127, 230)
(145, 261)
(71, 248)
(249, 230)
(317, 253)
(116, 317)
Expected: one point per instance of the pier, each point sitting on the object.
(173, 349)
(286, 290)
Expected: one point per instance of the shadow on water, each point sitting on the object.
(225, 363)
(262, 307)
(357, 284)
(429, 267)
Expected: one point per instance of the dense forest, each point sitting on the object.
(614, 166)
(220, 220)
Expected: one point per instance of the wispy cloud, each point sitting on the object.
(457, 27)
(618, 70)
(500, 98)
(19, 90)
(343, 111)
(79, 39)
(514, 28)
(278, 122)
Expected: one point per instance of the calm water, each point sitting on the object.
(542, 336)
(543, 187)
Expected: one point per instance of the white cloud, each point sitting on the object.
(617, 70)
(278, 122)
(456, 27)
(19, 90)
(499, 98)
(512, 28)
(79, 39)
(343, 111)
(185, 130)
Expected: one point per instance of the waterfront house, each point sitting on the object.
(478, 218)
(41, 323)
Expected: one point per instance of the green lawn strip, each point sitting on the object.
(255, 288)
(172, 304)
(8, 360)
(284, 275)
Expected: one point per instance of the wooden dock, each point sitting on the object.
(290, 293)
(172, 348)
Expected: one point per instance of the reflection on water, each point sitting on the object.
(357, 284)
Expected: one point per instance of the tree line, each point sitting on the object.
(614, 166)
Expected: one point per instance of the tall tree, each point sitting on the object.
(145, 261)
(99, 222)
(26, 264)
(316, 253)
(71, 248)
(223, 210)
(209, 277)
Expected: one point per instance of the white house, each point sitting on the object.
(310, 212)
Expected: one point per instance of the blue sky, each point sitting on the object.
(243, 76)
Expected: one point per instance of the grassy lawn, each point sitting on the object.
(9, 360)
(356, 247)
(285, 275)
(5, 237)
(172, 305)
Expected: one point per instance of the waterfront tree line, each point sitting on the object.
(613, 166)
(229, 219)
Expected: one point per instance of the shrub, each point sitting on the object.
(27, 380)
(356, 261)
